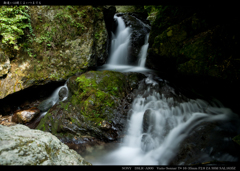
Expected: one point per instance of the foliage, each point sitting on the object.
(152, 8)
(13, 21)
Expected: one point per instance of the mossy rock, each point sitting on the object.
(93, 110)
(68, 40)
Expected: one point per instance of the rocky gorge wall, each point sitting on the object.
(195, 40)
(62, 41)
(196, 47)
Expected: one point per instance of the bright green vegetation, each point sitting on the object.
(49, 43)
(98, 93)
(13, 23)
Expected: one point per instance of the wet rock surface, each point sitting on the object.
(208, 143)
(20, 145)
(28, 98)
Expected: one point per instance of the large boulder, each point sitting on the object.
(63, 40)
(20, 145)
(97, 109)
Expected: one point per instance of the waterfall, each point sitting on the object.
(157, 125)
(55, 96)
(118, 55)
(119, 44)
(143, 52)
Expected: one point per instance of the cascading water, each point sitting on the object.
(158, 124)
(119, 44)
(143, 52)
(118, 56)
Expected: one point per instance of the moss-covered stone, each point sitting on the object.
(63, 44)
(93, 108)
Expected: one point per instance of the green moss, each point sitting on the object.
(97, 93)
(65, 105)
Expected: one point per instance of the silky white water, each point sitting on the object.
(119, 44)
(54, 98)
(118, 55)
(143, 52)
(157, 125)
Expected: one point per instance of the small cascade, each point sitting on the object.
(143, 52)
(54, 98)
(51, 101)
(119, 44)
(118, 55)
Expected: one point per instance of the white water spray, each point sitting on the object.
(54, 98)
(143, 53)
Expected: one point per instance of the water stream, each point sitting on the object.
(157, 124)
(118, 57)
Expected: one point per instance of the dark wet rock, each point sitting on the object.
(197, 46)
(209, 142)
(62, 93)
(24, 116)
(108, 12)
(146, 120)
(237, 139)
